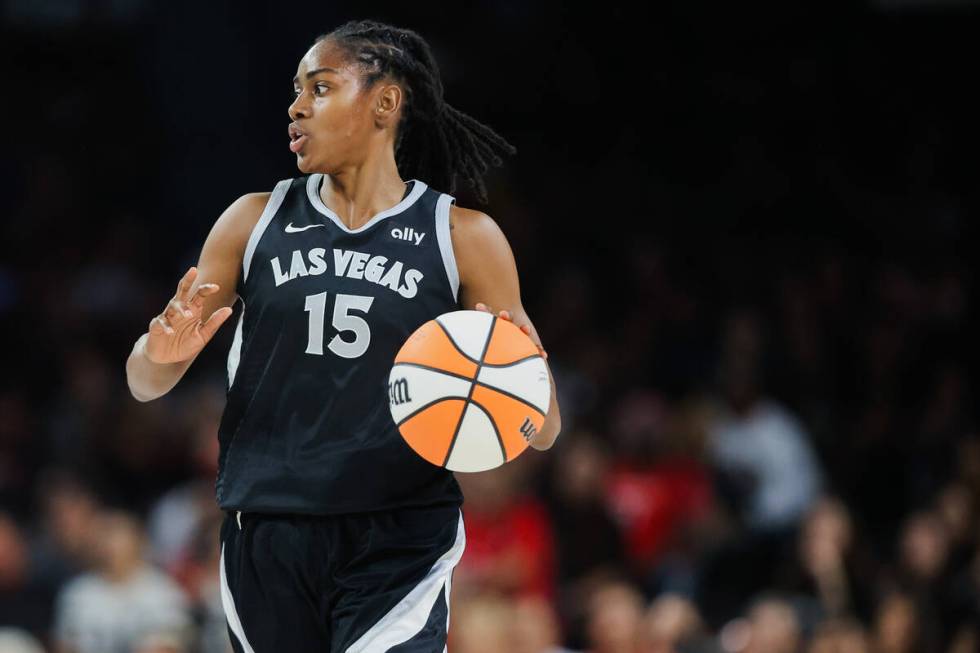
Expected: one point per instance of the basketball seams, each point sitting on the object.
(512, 363)
(493, 423)
(441, 415)
(421, 409)
(434, 369)
(462, 377)
(469, 397)
(512, 396)
(460, 349)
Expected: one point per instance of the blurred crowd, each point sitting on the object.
(817, 491)
(797, 475)
(757, 296)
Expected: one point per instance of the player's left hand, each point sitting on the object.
(526, 328)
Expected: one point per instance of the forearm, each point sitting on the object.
(546, 437)
(148, 380)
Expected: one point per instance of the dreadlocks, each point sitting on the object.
(434, 140)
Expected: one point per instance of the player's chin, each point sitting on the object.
(305, 162)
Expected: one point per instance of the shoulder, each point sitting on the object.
(236, 223)
(470, 222)
(480, 248)
(225, 246)
(248, 208)
(470, 227)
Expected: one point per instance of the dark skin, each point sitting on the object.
(347, 132)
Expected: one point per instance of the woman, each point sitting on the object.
(337, 536)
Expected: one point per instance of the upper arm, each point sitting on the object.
(221, 256)
(487, 269)
(488, 274)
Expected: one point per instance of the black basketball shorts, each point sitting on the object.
(358, 583)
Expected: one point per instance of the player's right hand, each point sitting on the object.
(178, 334)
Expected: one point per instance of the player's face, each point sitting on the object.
(331, 116)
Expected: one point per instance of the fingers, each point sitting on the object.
(186, 308)
(202, 291)
(176, 310)
(526, 328)
(159, 325)
(505, 315)
(217, 318)
(185, 283)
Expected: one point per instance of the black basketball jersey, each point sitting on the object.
(307, 427)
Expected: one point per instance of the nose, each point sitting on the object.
(300, 108)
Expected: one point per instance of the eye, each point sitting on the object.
(320, 88)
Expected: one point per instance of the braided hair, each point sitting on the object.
(434, 141)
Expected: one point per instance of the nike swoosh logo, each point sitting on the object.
(290, 229)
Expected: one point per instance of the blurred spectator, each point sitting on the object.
(672, 624)
(67, 507)
(178, 514)
(925, 573)
(897, 627)
(829, 567)
(773, 628)
(701, 525)
(577, 498)
(615, 611)
(655, 488)
(167, 642)
(924, 549)
(957, 509)
(761, 449)
(482, 623)
(18, 641)
(509, 541)
(198, 572)
(123, 600)
(23, 601)
(536, 628)
(839, 637)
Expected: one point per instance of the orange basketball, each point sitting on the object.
(468, 390)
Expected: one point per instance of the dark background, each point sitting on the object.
(703, 203)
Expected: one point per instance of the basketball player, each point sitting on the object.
(337, 536)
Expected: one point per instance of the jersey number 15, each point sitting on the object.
(342, 321)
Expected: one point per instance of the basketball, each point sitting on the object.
(468, 390)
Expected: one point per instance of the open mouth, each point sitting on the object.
(296, 144)
(296, 138)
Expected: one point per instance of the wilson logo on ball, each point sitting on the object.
(527, 428)
(398, 392)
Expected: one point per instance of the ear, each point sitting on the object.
(387, 105)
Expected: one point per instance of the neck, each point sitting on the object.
(121, 571)
(356, 193)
